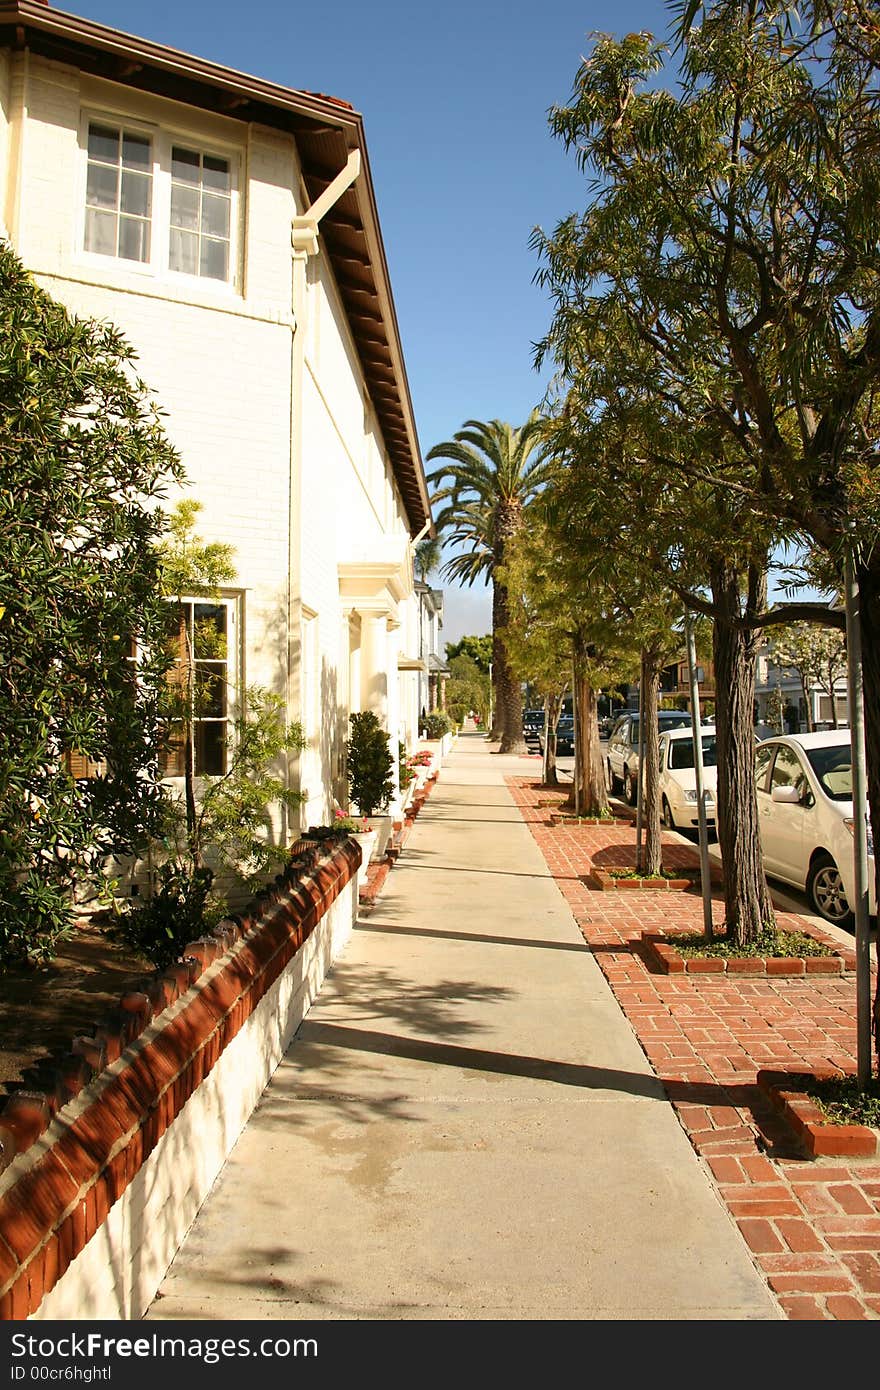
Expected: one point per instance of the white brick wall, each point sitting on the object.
(218, 359)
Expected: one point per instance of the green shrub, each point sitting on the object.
(158, 930)
(437, 724)
(370, 764)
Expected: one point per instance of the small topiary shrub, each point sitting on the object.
(370, 764)
(437, 723)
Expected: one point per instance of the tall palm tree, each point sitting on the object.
(492, 474)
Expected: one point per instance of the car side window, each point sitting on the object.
(788, 771)
(763, 759)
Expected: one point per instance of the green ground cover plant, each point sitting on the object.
(841, 1101)
(772, 942)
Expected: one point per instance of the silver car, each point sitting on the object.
(623, 749)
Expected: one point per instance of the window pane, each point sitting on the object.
(209, 641)
(135, 197)
(172, 760)
(134, 239)
(185, 207)
(215, 174)
(184, 165)
(210, 748)
(215, 259)
(135, 152)
(101, 232)
(215, 215)
(104, 144)
(183, 252)
(102, 186)
(211, 692)
(762, 762)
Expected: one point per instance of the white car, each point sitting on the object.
(805, 814)
(623, 748)
(678, 778)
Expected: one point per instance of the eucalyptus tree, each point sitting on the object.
(490, 475)
(755, 189)
(627, 616)
(728, 262)
(537, 639)
(574, 616)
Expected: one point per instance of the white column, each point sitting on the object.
(395, 806)
(374, 665)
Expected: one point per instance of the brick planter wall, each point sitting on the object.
(116, 1153)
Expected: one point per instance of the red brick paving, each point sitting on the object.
(812, 1225)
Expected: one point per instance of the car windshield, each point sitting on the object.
(833, 767)
(681, 752)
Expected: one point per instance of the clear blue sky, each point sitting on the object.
(455, 100)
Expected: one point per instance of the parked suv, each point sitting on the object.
(533, 725)
(565, 736)
(623, 748)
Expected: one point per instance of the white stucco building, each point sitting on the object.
(229, 228)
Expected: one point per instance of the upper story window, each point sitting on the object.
(119, 193)
(159, 204)
(201, 214)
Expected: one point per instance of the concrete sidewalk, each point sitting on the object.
(465, 1126)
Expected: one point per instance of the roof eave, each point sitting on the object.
(316, 121)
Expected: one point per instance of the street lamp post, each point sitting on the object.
(491, 715)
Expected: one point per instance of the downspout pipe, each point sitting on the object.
(304, 243)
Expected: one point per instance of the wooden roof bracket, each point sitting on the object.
(304, 229)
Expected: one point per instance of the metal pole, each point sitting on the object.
(491, 713)
(860, 820)
(696, 727)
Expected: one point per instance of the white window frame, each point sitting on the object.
(233, 602)
(162, 140)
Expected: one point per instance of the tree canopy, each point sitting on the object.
(86, 462)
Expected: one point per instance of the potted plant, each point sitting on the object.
(370, 766)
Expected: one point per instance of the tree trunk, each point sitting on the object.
(589, 793)
(508, 689)
(748, 907)
(868, 578)
(552, 706)
(651, 668)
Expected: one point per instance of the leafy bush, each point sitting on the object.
(437, 724)
(176, 914)
(406, 767)
(85, 460)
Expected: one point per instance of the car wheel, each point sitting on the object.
(668, 818)
(612, 780)
(825, 892)
(630, 787)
